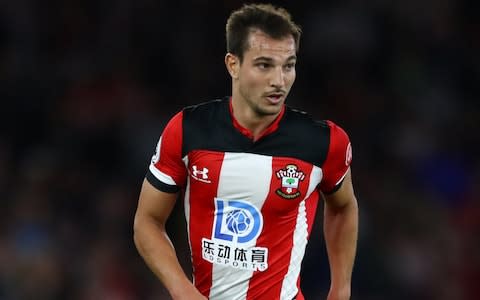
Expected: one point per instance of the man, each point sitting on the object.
(252, 170)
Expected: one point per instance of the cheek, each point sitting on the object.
(251, 80)
(291, 78)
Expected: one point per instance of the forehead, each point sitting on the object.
(261, 44)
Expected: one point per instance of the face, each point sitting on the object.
(263, 79)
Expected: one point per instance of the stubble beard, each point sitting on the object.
(262, 109)
(264, 112)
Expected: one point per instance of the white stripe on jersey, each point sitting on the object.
(289, 285)
(186, 207)
(256, 172)
(161, 176)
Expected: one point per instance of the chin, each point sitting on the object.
(269, 111)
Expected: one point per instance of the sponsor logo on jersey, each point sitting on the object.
(290, 177)
(236, 227)
(200, 174)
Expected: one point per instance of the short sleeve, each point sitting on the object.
(167, 171)
(338, 159)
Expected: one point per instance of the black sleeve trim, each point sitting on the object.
(336, 188)
(160, 185)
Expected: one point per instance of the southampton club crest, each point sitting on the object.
(291, 177)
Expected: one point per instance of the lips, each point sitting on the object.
(274, 98)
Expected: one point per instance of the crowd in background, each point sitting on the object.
(86, 88)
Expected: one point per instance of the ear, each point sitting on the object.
(232, 63)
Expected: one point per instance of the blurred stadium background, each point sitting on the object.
(87, 86)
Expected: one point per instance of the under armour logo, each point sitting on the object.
(201, 175)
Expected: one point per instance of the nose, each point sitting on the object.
(278, 78)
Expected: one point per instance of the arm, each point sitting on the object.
(341, 231)
(155, 247)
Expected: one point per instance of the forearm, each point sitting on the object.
(341, 232)
(159, 254)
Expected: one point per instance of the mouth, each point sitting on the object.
(274, 98)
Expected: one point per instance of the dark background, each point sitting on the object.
(87, 86)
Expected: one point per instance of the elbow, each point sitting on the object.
(343, 205)
(351, 207)
(145, 228)
(137, 233)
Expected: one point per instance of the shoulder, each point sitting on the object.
(304, 125)
(320, 137)
(304, 136)
(206, 108)
(338, 160)
(304, 118)
(204, 117)
(206, 125)
(299, 119)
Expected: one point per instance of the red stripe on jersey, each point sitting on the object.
(338, 158)
(311, 206)
(280, 220)
(169, 151)
(204, 171)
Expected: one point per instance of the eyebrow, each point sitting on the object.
(269, 59)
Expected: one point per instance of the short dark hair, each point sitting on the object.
(274, 21)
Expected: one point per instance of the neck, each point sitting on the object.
(249, 119)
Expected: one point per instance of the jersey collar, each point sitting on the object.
(246, 132)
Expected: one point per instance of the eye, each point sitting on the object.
(263, 65)
(289, 66)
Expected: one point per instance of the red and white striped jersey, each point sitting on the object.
(249, 205)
